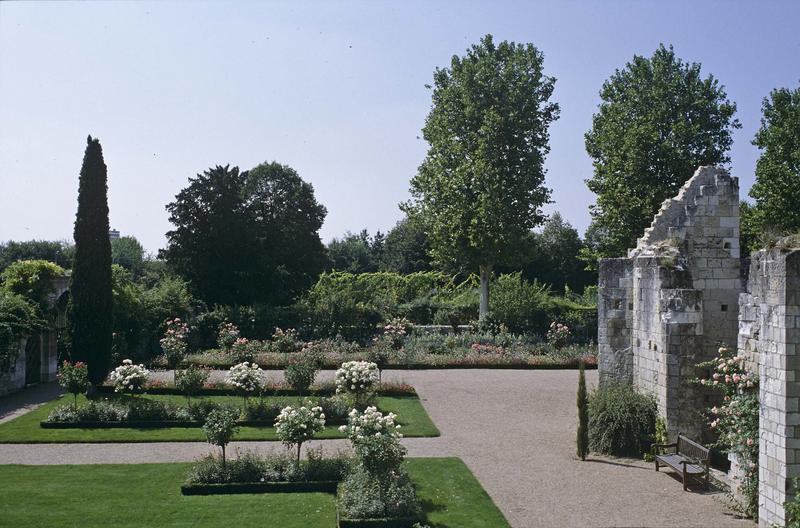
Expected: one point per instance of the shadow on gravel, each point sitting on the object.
(28, 398)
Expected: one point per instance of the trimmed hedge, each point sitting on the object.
(391, 522)
(233, 488)
(227, 391)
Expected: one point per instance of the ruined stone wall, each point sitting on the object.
(770, 338)
(681, 301)
(615, 309)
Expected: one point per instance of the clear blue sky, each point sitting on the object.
(334, 89)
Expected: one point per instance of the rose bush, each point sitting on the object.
(227, 335)
(558, 334)
(357, 379)
(296, 425)
(73, 378)
(175, 341)
(736, 419)
(246, 378)
(129, 378)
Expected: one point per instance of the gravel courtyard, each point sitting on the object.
(515, 429)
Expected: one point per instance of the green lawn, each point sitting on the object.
(25, 429)
(123, 495)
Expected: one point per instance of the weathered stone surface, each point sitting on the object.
(672, 302)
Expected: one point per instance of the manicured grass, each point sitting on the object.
(25, 429)
(149, 495)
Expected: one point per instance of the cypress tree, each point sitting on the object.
(91, 316)
(583, 416)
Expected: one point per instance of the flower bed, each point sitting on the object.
(273, 389)
(147, 413)
(252, 473)
(387, 522)
(472, 359)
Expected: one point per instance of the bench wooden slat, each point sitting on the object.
(689, 458)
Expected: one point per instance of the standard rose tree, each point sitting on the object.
(73, 378)
(296, 425)
(357, 380)
(220, 427)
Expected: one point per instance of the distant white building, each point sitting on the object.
(113, 234)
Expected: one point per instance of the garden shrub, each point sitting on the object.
(220, 427)
(622, 421)
(521, 305)
(300, 375)
(73, 378)
(364, 496)
(249, 467)
(191, 380)
(33, 280)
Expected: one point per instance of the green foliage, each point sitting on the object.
(73, 378)
(481, 187)
(34, 280)
(300, 376)
(18, 319)
(58, 252)
(622, 421)
(365, 496)
(220, 427)
(406, 249)
(554, 257)
(657, 122)
(247, 237)
(521, 305)
(91, 314)
(128, 253)
(191, 380)
(250, 467)
(792, 506)
(582, 440)
(777, 186)
(356, 253)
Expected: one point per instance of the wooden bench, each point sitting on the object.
(687, 457)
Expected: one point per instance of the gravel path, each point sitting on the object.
(515, 429)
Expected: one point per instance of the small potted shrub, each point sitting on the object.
(73, 378)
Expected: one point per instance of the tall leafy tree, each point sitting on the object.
(356, 252)
(128, 253)
(406, 249)
(58, 252)
(554, 257)
(658, 120)
(212, 243)
(286, 219)
(246, 237)
(777, 187)
(481, 186)
(91, 316)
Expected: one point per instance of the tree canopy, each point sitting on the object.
(406, 249)
(777, 187)
(481, 186)
(658, 120)
(246, 237)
